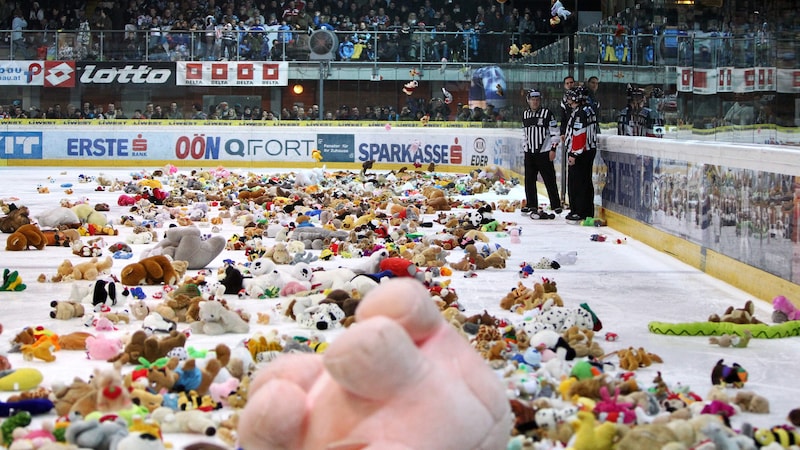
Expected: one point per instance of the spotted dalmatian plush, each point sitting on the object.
(559, 319)
(325, 316)
(549, 418)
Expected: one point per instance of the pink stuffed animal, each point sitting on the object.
(610, 409)
(102, 348)
(784, 310)
(220, 391)
(402, 368)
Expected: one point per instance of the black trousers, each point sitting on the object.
(579, 184)
(539, 164)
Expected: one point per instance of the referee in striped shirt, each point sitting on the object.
(541, 140)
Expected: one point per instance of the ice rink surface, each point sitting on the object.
(626, 284)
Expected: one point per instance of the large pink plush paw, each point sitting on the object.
(400, 378)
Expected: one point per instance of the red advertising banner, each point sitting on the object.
(725, 79)
(232, 73)
(788, 81)
(704, 81)
(685, 78)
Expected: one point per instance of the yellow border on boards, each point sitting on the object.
(762, 285)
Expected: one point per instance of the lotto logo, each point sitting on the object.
(59, 74)
(21, 145)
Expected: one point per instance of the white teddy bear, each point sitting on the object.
(216, 319)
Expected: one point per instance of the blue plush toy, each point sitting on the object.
(189, 378)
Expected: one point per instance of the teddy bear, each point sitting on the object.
(744, 315)
(431, 256)
(519, 298)
(412, 333)
(188, 244)
(582, 341)
(190, 421)
(25, 237)
(163, 378)
(751, 402)
(149, 400)
(58, 217)
(87, 270)
(216, 319)
(95, 434)
(144, 237)
(155, 269)
(88, 215)
(16, 217)
(150, 348)
(66, 310)
(177, 307)
(346, 302)
(104, 392)
(194, 377)
(102, 348)
(62, 238)
(279, 254)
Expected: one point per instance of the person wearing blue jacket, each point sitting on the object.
(346, 49)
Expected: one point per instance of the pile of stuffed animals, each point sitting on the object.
(145, 286)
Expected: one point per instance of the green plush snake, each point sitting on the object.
(761, 331)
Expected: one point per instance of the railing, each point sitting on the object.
(674, 48)
(668, 48)
(418, 45)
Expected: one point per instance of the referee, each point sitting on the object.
(541, 139)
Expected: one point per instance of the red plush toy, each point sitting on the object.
(401, 267)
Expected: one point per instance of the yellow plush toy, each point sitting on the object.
(88, 215)
(591, 436)
(88, 270)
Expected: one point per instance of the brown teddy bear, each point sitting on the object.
(520, 295)
(163, 378)
(151, 270)
(15, 218)
(150, 348)
(26, 236)
(73, 398)
(582, 341)
(61, 238)
(176, 307)
(744, 315)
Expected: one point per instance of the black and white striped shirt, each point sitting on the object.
(540, 128)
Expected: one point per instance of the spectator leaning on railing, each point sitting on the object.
(18, 24)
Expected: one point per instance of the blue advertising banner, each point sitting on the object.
(21, 144)
(337, 147)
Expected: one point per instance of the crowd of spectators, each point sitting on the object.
(415, 110)
(384, 30)
(370, 30)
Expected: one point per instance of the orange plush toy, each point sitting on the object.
(26, 236)
(151, 270)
